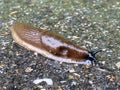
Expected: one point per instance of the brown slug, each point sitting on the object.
(50, 44)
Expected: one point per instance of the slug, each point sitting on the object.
(50, 44)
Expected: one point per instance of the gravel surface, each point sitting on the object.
(93, 24)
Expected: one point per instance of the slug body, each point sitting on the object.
(49, 44)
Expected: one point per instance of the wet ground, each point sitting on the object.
(91, 24)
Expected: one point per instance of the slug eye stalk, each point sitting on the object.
(93, 53)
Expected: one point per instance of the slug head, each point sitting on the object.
(92, 57)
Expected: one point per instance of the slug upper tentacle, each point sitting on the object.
(50, 44)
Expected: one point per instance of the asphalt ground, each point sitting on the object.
(93, 24)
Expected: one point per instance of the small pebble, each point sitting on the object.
(47, 80)
(14, 12)
(72, 70)
(43, 89)
(77, 75)
(111, 77)
(73, 83)
(118, 65)
(63, 82)
(71, 77)
(59, 88)
(28, 69)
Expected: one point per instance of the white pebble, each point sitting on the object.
(118, 64)
(47, 80)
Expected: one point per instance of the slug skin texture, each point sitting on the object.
(48, 44)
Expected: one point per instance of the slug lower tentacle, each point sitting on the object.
(49, 44)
